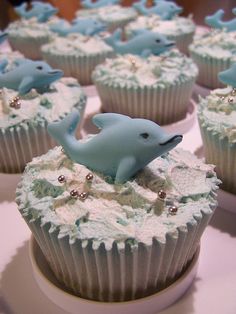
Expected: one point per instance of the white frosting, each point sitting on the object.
(31, 28)
(77, 44)
(170, 68)
(175, 27)
(215, 44)
(50, 106)
(109, 14)
(217, 113)
(118, 212)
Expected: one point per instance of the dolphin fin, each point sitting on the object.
(116, 36)
(140, 31)
(61, 129)
(20, 9)
(103, 120)
(125, 169)
(146, 53)
(25, 85)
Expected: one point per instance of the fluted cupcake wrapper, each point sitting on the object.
(113, 25)
(220, 152)
(118, 274)
(20, 143)
(209, 68)
(30, 47)
(163, 105)
(80, 67)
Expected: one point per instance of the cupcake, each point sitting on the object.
(27, 107)
(213, 52)
(217, 116)
(114, 16)
(179, 29)
(112, 234)
(77, 55)
(158, 88)
(29, 33)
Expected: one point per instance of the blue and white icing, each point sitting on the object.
(77, 45)
(88, 4)
(84, 26)
(120, 150)
(144, 43)
(131, 71)
(41, 11)
(36, 107)
(217, 44)
(178, 26)
(111, 212)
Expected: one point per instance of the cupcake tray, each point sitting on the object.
(70, 303)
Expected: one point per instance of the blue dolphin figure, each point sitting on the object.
(42, 11)
(85, 26)
(88, 4)
(228, 77)
(144, 43)
(123, 146)
(3, 36)
(215, 21)
(29, 74)
(165, 9)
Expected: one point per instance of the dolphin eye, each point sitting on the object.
(158, 40)
(144, 135)
(39, 67)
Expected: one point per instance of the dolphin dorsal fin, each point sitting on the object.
(104, 120)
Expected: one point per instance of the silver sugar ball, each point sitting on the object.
(61, 178)
(74, 193)
(173, 210)
(83, 195)
(89, 176)
(162, 194)
(230, 100)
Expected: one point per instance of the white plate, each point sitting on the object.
(94, 106)
(73, 304)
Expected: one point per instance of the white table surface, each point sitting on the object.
(214, 290)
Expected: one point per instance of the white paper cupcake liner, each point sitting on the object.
(119, 274)
(80, 67)
(208, 69)
(220, 152)
(113, 25)
(161, 105)
(30, 47)
(19, 144)
(183, 41)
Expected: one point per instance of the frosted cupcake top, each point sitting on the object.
(78, 45)
(216, 44)
(170, 68)
(31, 28)
(218, 112)
(62, 96)
(167, 195)
(109, 14)
(175, 27)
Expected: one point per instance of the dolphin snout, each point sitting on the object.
(174, 139)
(178, 10)
(170, 44)
(58, 73)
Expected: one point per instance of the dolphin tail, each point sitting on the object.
(21, 9)
(114, 38)
(87, 4)
(214, 20)
(141, 7)
(64, 130)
